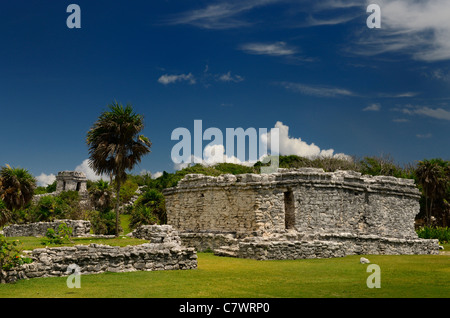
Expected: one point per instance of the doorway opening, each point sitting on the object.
(289, 210)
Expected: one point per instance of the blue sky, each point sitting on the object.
(312, 68)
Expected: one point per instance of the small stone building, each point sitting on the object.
(71, 181)
(297, 213)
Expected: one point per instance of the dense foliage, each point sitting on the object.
(10, 255)
(116, 145)
(440, 233)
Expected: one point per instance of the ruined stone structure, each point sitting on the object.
(80, 228)
(71, 181)
(298, 213)
(166, 254)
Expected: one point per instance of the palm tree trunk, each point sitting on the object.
(431, 209)
(117, 207)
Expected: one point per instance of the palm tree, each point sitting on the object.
(115, 145)
(17, 187)
(432, 175)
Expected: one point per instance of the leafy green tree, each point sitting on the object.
(154, 201)
(433, 177)
(5, 214)
(101, 195)
(115, 145)
(17, 187)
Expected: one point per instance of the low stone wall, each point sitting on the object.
(157, 234)
(79, 228)
(94, 259)
(207, 241)
(372, 244)
(279, 250)
(297, 246)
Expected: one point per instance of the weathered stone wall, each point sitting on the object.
(71, 181)
(306, 202)
(157, 234)
(79, 228)
(94, 259)
(322, 202)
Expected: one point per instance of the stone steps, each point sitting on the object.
(228, 251)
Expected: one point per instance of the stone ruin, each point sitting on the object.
(163, 251)
(297, 213)
(71, 181)
(80, 228)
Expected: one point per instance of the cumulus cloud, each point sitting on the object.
(44, 180)
(90, 174)
(214, 154)
(285, 145)
(157, 174)
(170, 79)
(296, 146)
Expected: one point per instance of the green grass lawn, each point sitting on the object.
(223, 277)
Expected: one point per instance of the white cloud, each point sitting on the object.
(170, 79)
(296, 146)
(272, 49)
(90, 174)
(373, 108)
(44, 180)
(319, 91)
(227, 77)
(420, 29)
(220, 15)
(438, 113)
(213, 154)
(157, 174)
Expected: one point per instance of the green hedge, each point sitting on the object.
(440, 233)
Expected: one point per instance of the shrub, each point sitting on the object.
(103, 222)
(142, 215)
(127, 191)
(61, 235)
(148, 207)
(48, 208)
(10, 255)
(5, 214)
(440, 233)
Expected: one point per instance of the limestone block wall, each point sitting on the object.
(95, 258)
(79, 228)
(211, 208)
(306, 200)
